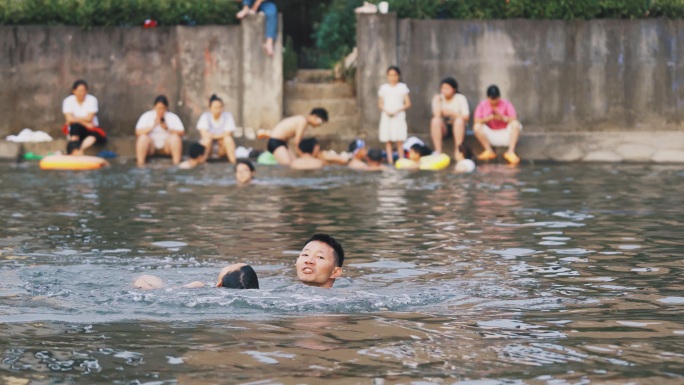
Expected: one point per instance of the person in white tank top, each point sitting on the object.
(450, 114)
(217, 126)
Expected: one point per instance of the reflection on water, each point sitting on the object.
(564, 274)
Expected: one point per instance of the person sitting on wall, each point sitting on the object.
(217, 126)
(496, 124)
(309, 160)
(251, 7)
(197, 155)
(450, 114)
(81, 123)
(159, 131)
(293, 127)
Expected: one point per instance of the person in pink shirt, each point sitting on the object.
(496, 124)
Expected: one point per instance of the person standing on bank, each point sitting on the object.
(450, 114)
(496, 124)
(393, 101)
(251, 7)
(217, 126)
(81, 124)
(159, 132)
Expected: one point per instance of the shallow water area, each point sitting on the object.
(542, 274)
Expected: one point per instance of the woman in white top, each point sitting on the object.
(217, 126)
(81, 124)
(393, 100)
(159, 132)
(450, 114)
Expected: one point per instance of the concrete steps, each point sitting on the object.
(316, 88)
(314, 76)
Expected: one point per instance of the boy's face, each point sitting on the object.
(316, 121)
(316, 265)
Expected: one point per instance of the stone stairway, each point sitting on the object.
(316, 88)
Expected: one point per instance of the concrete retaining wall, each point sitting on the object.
(614, 76)
(127, 67)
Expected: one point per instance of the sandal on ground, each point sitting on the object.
(511, 158)
(487, 155)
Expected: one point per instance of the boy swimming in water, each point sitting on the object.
(319, 264)
(293, 127)
(196, 153)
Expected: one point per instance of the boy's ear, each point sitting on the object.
(337, 273)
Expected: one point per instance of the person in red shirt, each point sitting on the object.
(496, 124)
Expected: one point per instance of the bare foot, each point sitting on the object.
(243, 13)
(268, 46)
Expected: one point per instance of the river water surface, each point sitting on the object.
(544, 274)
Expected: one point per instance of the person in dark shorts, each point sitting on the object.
(293, 127)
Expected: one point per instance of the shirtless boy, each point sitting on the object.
(293, 127)
(309, 160)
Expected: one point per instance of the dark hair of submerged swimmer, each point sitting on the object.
(161, 99)
(246, 162)
(79, 82)
(243, 278)
(375, 154)
(308, 145)
(196, 150)
(338, 252)
(321, 113)
(422, 150)
(450, 81)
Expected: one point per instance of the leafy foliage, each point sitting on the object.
(89, 13)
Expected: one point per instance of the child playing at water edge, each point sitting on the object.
(393, 100)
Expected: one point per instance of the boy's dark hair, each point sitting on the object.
(79, 82)
(395, 68)
(196, 150)
(245, 162)
(422, 150)
(493, 92)
(214, 98)
(356, 144)
(451, 82)
(244, 278)
(161, 99)
(321, 113)
(375, 154)
(338, 252)
(71, 146)
(308, 145)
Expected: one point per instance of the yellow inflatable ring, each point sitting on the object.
(434, 162)
(405, 163)
(71, 162)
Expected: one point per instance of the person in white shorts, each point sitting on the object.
(393, 101)
(159, 131)
(450, 114)
(217, 126)
(496, 124)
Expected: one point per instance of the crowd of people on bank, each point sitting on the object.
(160, 131)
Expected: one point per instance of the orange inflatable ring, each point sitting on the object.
(72, 162)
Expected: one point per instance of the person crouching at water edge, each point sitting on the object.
(159, 131)
(319, 264)
(81, 125)
(244, 172)
(217, 126)
(496, 124)
(293, 127)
